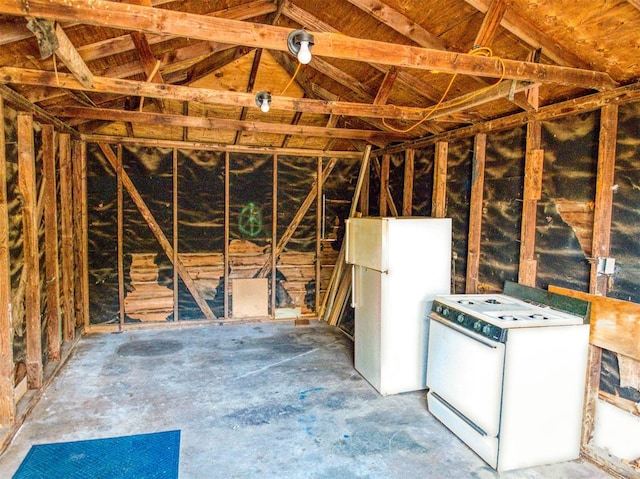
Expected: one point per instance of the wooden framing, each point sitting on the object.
(439, 195)
(7, 403)
(80, 227)
(120, 206)
(604, 196)
(274, 233)
(299, 216)
(227, 200)
(52, 275)
(157, 232)
(614, 327)
(407, 192)
(475, 213)
(532, 191)
(27, 188)
(66, 233)
(384, 183)
(176, 277)
(319, 229)
(151, 20)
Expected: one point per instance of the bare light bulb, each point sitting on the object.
(264, 105)
(304, 54)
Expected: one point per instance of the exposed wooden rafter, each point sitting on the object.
(149, 20)
(223, 124)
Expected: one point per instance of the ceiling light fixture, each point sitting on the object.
(300, 43)
(263, 100)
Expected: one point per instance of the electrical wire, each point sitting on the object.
(295, 74)
(476, 51)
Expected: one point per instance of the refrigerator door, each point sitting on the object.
(367, 243)
(368, 323)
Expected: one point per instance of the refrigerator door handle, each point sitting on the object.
(353, 286)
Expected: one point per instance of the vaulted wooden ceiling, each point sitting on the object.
(382, 71)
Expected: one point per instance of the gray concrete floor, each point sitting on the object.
(253, 401)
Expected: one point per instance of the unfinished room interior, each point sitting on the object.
(337, 239)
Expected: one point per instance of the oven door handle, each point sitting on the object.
(458, 329)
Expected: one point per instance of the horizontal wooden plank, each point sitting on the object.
(150, 20)
(615, 324)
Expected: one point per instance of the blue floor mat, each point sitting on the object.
(143, 456)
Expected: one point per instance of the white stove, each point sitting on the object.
(507, 376)
(501, 311)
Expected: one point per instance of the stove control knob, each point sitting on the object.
(445, 312)
(477, 325)
(438, 308)
(486, 330)
(460, 318)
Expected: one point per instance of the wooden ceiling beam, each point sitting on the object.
(67, 52)
(151, 20)
(311, 22)
(222, 124)
(532, 35)
(400, 23)
(201, 146)
(490, 23)
(626, 94)
(384, 90)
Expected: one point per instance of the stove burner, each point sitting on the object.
(492, 301)
(507, 317)
(465, 301)
(538, 316)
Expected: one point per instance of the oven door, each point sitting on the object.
(464, 372)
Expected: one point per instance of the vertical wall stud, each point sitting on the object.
(51, 242)
(120, 201)
(475, 213)
(319, 238)
(407, 192)
(227, 226)
(7, 403)
(532, 191)
(274, 235)
(27, 188)
(66, 245)
(176, 283)
(439, 196)
(384, 183)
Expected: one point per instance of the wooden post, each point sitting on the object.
(81, 233)
(274, 234)
(7, 403)
(532, 191)
(439, 196)
(407, 192)
(475, 213)
(384, 183)
(598, 284)
(319, 218)
(176, 283)
(227, 201)
(27, 188)
(120, 200)
(51, 242)
(66, 245)
(604, 196)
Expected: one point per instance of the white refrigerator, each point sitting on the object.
(399, 265)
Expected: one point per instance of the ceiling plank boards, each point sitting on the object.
(151, 20)
(490, 24)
